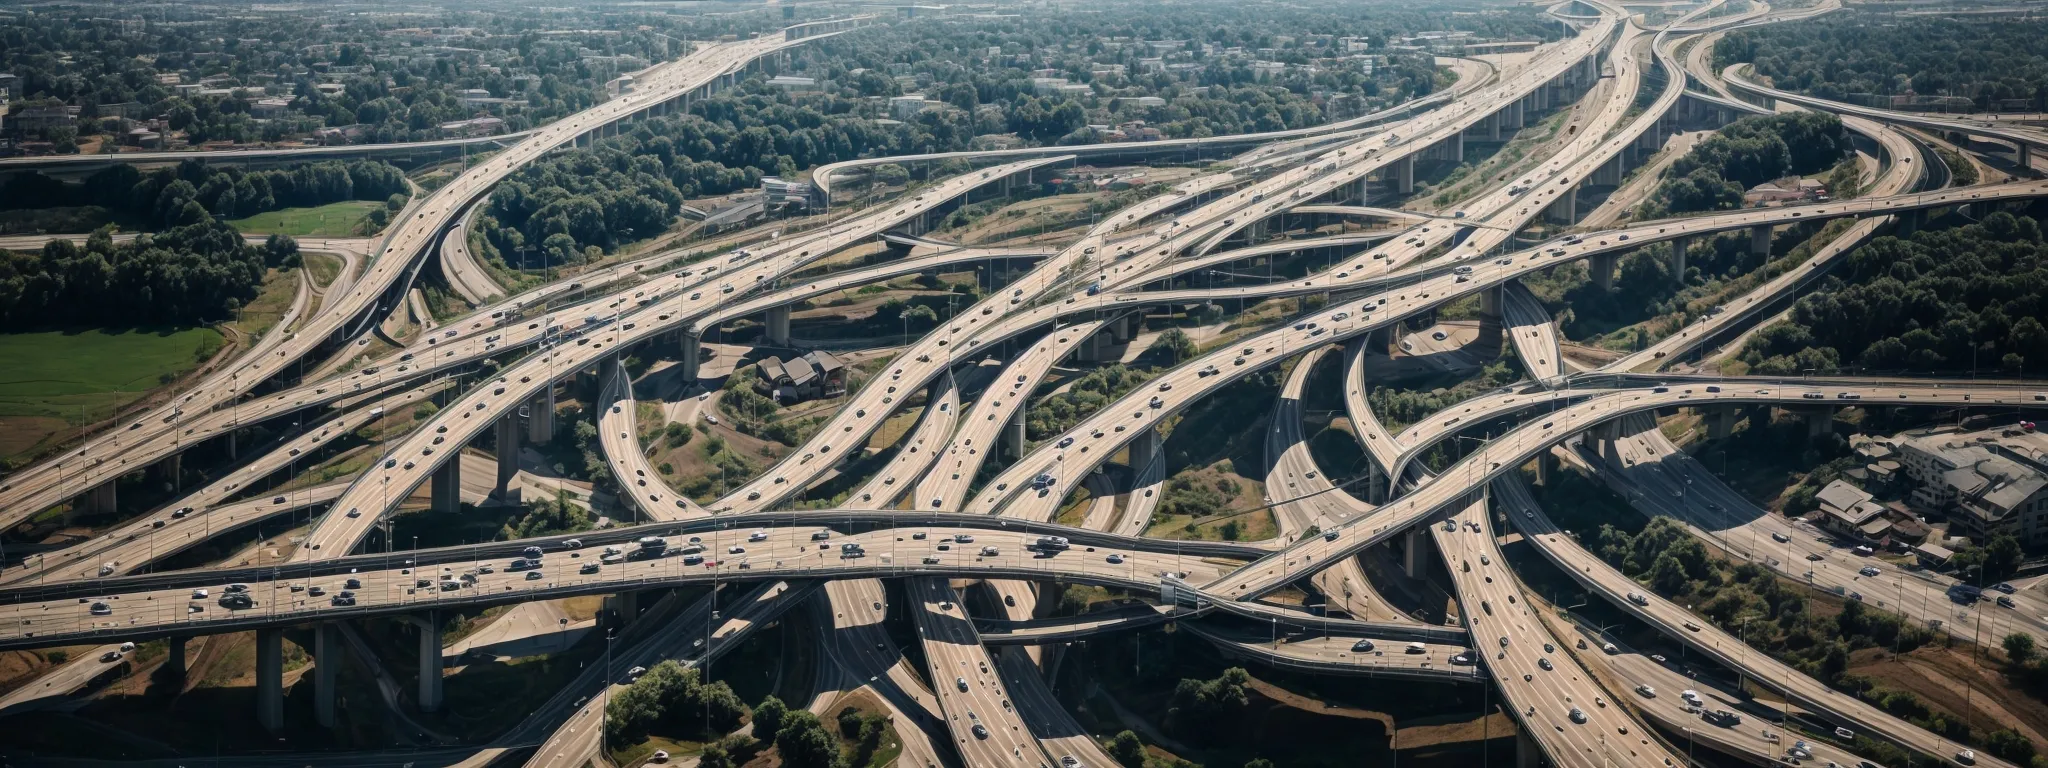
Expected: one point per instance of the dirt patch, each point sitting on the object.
(1950, 680)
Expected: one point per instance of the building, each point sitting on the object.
(270, 109)
(481, 126)
(1848, 510)
(906, 107)
(1767, 192)
(777, 191)
(472, 97)
(39, 121)
(793, 83)
(815, 374)
(1988, 482)
(1142, 102)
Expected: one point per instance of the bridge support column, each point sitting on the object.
(1404, 175)
(1144, 447)
(1013, 434)
(234, 447)
(1415, 553)
(1760, 240)
(1546, 466)
(1721, 423)
(1527, 754)
(1375, 483)
(1380, 341)
(430, 661)
(1566, 209)
(1518, 114)
(446, 486)
(100, 500)
(1911, 221)
(1120, 329)
(508, 455)
(623, 607)
(1605, 437)
(174, 662)
(171, 470)
(1492, 330)
(1602, 268)
(270, 678)
(2026, 157)
(693, 350)
(1611, 171)
(1820, 422)
(1454, 148)
(540, 416)
(326, 665)
(778, 325)
(1493, 123)
(1678, 248)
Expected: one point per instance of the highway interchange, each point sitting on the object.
(986, 704)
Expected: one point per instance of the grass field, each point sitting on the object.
(272, 301)
(330, 220)
(324, 267)
(57, 379)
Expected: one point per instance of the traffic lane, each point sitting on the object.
(372, 495)
(760, 554)
(993, 411)
(1554, 699)
(1344, 653)
(985, 726)
(916, 451)
(1518, 446)
(1725, 649)
(1058, 733)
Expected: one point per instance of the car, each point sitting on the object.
(110, 657)
(660, 756)
(1869, 570)
(961, 683)
(931, 560)
(1545, 664)
(1691, 697)
(1646, 692)
(1115, 559)
(1780, 538)
(2004, 587)
(1813, 557)
(1578, 716)
(736, 550)
(199, 594)
(533, 576)
(1966, 757)
(1845, 734)
(980, 731)
(1068, 761)
(1362, 646)
(2005, 602)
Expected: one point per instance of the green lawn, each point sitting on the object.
(330, 220)
(57, 379)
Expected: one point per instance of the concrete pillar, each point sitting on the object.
(1380, 341)
(1602, 268)
(1820, 422)
(1760, 240)
(778, 325)
(270, 678)
(1566, 209)
(1678, 247)
(326, 665)
(2026, 156)
(101, 499)
(540, 416)
(1911, 221)
(692, 352)
(1144, 447)
(623, 607)
(1493, 122)
(1546, 467)
(1120, 329)
(1454, 148)
(1376, 483)
(1013, 433)
(1527, 754)
(1721, 423)
(1615, 169)
(171, 469)
(174, 662)
(446, 485)
(508, 454)
(430, 661)
(1415, 553)
(1492, 330)
(1518, 114)
(1404, 175)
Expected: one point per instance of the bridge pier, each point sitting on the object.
(622, 607)
(1911, 222)
(430, 660)
(1602, 268)
(508, 455)
(1375, 483)
(1518, 114)
(1415, 553)
(100, 500)
(1820, 422)
(445, 486)
(778, 325)
(1566, 209)
(1404, 175)
(2026, 156)
(326, 665)
(1013, 434)
(171, 470)
(1721, 422)
(692, 352)
(1678, 247)
(174, 661)
(1606, 437)
(1492, 329)
(1610, 172)
(1527, 754)
(1546, 466)
(270, 678)
(540, 417)
(1493, 122)
(1380, 341)
(1144, 447)
(1760, 240)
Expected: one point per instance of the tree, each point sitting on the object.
(1174, 342)
(768, 717)
(891, 175)
(1128, 750)
(2019, 647)
(804, 742)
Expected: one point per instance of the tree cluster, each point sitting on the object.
(197, 271)
(1946, 300)
(547, 517)
(671, 699)
(1059, 413)
(157, 198)
(1853, 55)
(1751, 151)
